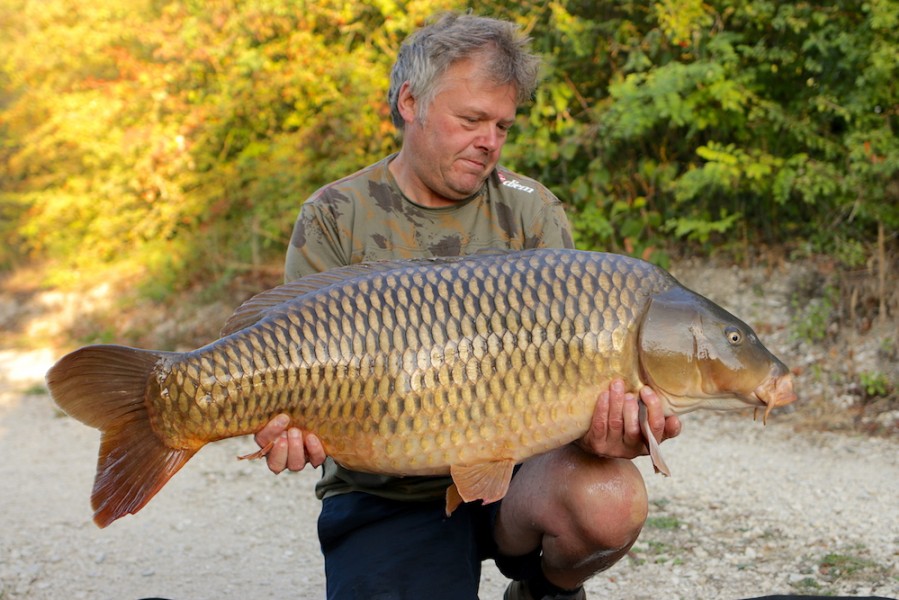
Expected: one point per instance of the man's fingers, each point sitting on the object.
(272, 430)
(655, 412)
(600, 424)
(296, 453)
(290, 448)
(616, 407)
(672, 427)
(630, 412)
(277, 457)
(315, 451)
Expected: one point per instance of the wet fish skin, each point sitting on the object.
(463, 366)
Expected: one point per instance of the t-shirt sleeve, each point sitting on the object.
(315, 244)
(550, 227)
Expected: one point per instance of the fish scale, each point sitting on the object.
(423, 367)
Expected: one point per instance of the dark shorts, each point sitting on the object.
(380, 549)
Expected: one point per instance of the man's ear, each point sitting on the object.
(406, 103)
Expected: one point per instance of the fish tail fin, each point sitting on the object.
(106, 387)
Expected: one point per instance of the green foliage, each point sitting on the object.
(875, 384)
(812, 316)
(698, 120)
(165, 142)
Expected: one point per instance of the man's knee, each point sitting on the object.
(607, 502)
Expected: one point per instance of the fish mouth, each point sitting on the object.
(776, 390)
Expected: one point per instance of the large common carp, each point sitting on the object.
(461, 365)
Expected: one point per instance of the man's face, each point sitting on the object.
(455, 147)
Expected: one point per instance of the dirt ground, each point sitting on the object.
(749, 510)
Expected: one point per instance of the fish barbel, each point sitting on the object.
(462, 366)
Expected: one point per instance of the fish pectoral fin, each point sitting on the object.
(482, 481)
(655, 451)
(261, 453)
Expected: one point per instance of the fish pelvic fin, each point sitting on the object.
(105, 387)
(655, 451)
(482, 481)
(453, 499)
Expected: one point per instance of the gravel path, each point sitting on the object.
(749, 510)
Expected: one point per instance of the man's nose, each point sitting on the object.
(490, 138)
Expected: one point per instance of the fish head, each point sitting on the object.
(697, 355)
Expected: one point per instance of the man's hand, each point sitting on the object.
(290, 448)
(615, 429)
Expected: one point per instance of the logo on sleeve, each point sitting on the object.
(515, 184)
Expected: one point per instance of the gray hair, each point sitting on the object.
(427, 54)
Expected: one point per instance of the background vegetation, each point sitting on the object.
(174, 141)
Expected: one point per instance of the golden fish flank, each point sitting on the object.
(462, 366)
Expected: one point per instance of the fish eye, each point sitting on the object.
(734, 336)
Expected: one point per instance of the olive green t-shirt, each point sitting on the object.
(366, 217)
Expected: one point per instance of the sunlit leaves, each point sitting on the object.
(180, 138)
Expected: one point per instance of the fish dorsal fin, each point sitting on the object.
(263, 304)
(257, 307)
(483, 481)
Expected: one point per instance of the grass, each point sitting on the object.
(662, 542)
(836, 566)
(664, 522)
(808, 584)
(656, 552)
(848, 565)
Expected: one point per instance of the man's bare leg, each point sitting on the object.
(584, 511)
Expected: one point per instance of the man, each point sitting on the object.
(569, 514)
